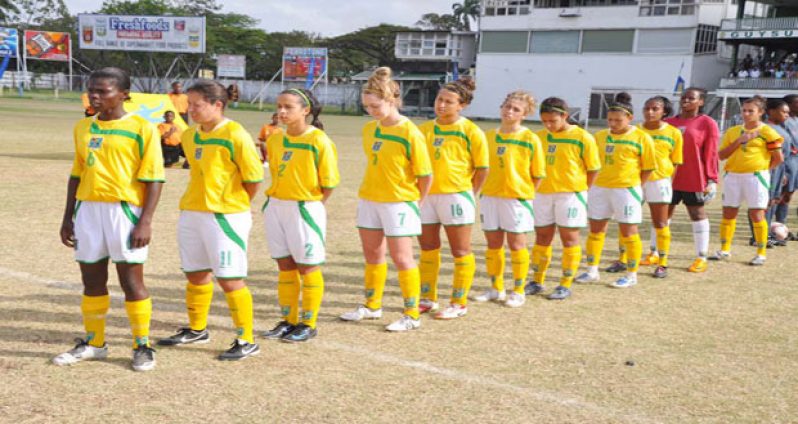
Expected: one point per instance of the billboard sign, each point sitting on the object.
(304, 63)
(231, 66)
(46, 45)
(176, 34)
(9, 42)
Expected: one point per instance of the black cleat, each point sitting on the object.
(560, 293)
(240, 350)
(143, 358)
(300, 333)
(532, 288)
(281, 329)
(616, 267)
(186, 336)
(661, 272)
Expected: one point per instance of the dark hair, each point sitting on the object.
(776, 103)
(790, 98)
(464, 88)
(308, 99)
(554, 105)
(622, 103)
(211, 91)
(120, 77)
(667, 106)
(760, 102)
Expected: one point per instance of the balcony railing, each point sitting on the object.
(753, 24)
(760, 83)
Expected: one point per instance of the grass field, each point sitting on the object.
(719, 347)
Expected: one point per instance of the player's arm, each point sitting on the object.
(67, 226)
(776, 157)
(142, 232)
(326, 193)
(423, 183)
(591, 177)
(727, 151)
(478, 179)
(251, 189)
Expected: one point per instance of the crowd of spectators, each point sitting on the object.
(762, 67)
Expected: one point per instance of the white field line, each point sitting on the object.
(455, 375)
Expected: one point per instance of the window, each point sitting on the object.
(608, 41)
(505, 7)
(706, 39)
(554, 42)
(504, 41)
(664, 40)
(667, 7)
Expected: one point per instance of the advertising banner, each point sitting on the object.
(176, 34)
(9, 42)
(46, 45)
(231, 66)
(152, 107)
(304, 63)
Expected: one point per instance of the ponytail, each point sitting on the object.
(308, 99)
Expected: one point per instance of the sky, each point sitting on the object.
(326, 17)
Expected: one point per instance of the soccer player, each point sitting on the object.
(180, 100)
(516, 169)
(750, 151)
(215, 218)
(696, 182)
(459, 158)
(627, 160)
(113, 189)
(398, 178)
(170, 139)
(572, 163)
(266, 131)
(779, 118)
(304, 168)
(657, 190)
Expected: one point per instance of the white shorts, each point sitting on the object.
(625, 205)
(214, 242)
(567, 210)
(395, 219)
(296, 229)
(449, 209)
(659, 191)
(753, 189)
(102, 231)
(505, 214)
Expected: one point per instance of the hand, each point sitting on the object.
(710, 191)
(140, 236)
(67, 233)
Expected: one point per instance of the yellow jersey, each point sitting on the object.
(569, 155)
(754, 155)
(302, 166)
(455, 151)
(668, 143)
(623, 157)
(396, 156)
(113, 159)
(221, 161)
(515, 159)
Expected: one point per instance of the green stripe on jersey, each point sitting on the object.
(395, 138)
(289, 145)
(460, 134)
(551, 139)
(227, 144)
(95, 129)
(524, 144)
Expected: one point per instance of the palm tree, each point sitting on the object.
(465, 11)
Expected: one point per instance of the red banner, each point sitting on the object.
(46, 45)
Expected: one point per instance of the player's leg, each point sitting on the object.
(288, 284)
(494, 255)
(430, 261)
(545, 220)
(571, 256)
(661, 224)
(599, 211)
(373, 243)
(459, 237)
(757, 196)
(401, 251)
(519, 256)
(139, 312)
(628, 211)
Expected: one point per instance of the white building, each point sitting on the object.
(583, 50)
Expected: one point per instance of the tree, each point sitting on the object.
(32, 13)
(445, 22)
(363, 48)
(465, 11)
(7, 9)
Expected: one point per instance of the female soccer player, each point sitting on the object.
(397, 179)
(112, 193)
(459, 158)
(572, 163)
(516, 169)
(779, 118)
(215, 218)
(750, 151)
(695, 183)
(304, 168)
(657, 190)
(627, 158)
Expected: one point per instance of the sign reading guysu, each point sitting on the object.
(177, 34)
(758, 34)
(9, 42)
(46, 45)
(152, 107)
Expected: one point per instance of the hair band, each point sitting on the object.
(555, 109)
(620, 108)
(302, 95)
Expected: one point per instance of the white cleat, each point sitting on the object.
(405, 323)
(515, 300)
(82, 351)
(451, 312)
(361, 313)
(586, 278)
(491, 294)
(757, 261)
(426, 305)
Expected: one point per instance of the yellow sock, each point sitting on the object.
(727, 227)
(761, 237)
(571, 256)
(94, 310)
(429, 266)
(410, 283)
(622, 256)
(312, 292)
(198, 303)
(240, 304)
(594, 246)
(664, 244)
(376, 274)
(139, 313)
(494, 262)
(634, 250)
(541, 259)
(520, 264)
(464, 268)
(288, 295)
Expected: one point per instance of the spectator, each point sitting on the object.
(748, 62)
(742, 73)
(265, 132)
(779, 74)
(233, 94)
(180, 100)
(170, 139)
(755, 73)
(88, 110)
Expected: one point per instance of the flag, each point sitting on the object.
(311, 72)
(455, 72)
(152, 107)
(678, 88)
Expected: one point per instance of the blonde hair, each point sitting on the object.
(381, 85)
(527, 99)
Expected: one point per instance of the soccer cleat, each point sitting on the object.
(720, 255)
(624, 282)
(239, 350)
(757, 261)
(698, 265)
(186, 336)
(559, 293)
(515, 300)
(451, 312)
(616, 267)
(426, 305)
(651, 259)
(360, 313)
(82, 351)
(586, 277)
(143, 358)
(281, 329)
(661, 272)
(300, 333)
(532, 288)
(491, 294)
(403, 324)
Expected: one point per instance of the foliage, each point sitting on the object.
(445, 22)
(465, 11)
(356, 51)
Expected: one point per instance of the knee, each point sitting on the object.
(430, 245)
(459, 253)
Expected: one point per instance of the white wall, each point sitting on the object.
(707, 71)
(608, 17)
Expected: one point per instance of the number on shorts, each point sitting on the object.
(664, 191)
(573, 212)
(457, 210)
(628, 210)
(281, 169)
(402, 218)
(374, 159)
(226, 258)
(308, 250)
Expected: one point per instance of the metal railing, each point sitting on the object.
(759, 23)
(760, 83)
